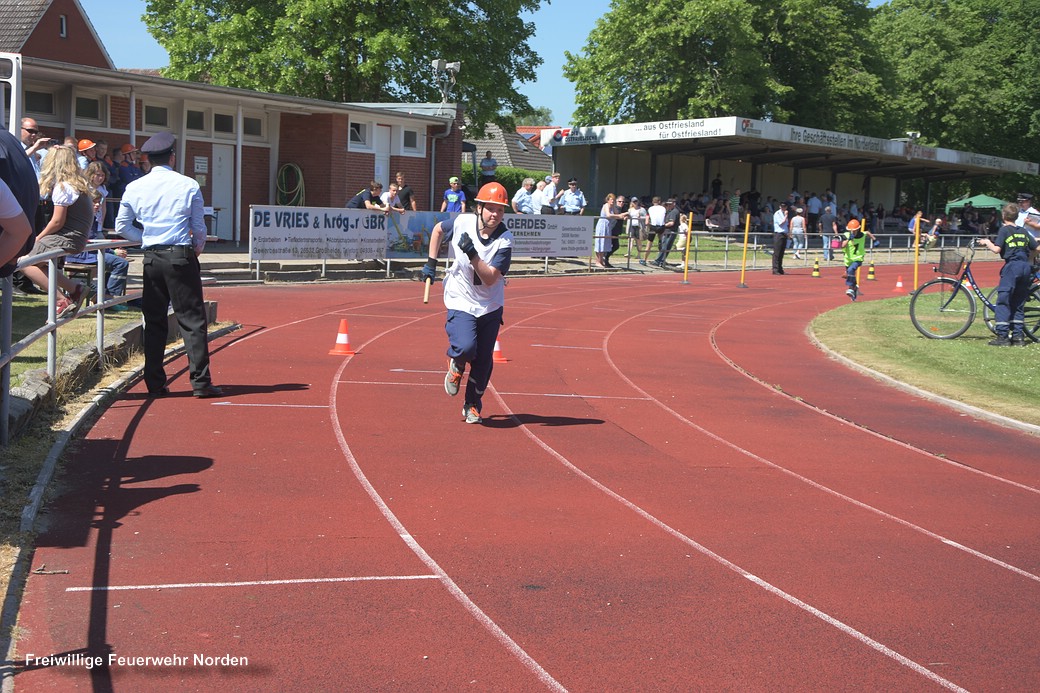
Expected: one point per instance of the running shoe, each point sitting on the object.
(471, 414)
(452, 378)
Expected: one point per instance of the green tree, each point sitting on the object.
(352, 50)
(538, 116)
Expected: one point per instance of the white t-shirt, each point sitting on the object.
(461, 289)
(9, 207)
(637, 218)
(390, 202)
(656, 214)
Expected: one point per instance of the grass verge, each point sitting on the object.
(879, 335)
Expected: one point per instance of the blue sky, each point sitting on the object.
(562, 26)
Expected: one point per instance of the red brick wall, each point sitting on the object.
(256, 165)
(416, 174)
(78, 46)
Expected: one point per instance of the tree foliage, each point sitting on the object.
(541, 115)
(352, 50)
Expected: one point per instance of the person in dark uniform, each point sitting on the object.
(163, 211)
(1018, 248)
(16, 170)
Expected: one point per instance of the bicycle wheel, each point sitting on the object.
(988, 315)
(942, 309)
(1032, 314)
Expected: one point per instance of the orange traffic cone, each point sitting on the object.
(498, 356)
(342, 347)
(899, 285)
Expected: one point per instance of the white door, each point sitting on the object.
(382, 172)
(222, 187)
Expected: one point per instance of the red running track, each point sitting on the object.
(674, 489)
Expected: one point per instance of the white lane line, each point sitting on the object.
(726, 563)
(467, 603)
(557, 346)
(551, 394)
(386, 382)
(285, 406)
(251, 583)
(405, 370)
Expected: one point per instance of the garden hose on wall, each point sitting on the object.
(290, 186)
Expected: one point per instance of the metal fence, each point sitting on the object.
(9, 351)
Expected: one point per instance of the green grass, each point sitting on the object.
(879, 335)
(30, 313)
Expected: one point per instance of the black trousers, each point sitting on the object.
(779, 247)
(172, 275)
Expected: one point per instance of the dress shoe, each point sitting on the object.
(208, 391)
(161, 392)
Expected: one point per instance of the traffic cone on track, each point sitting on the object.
(498, 356)
(899, 285)
(816, 267)
(870, 273)
(342, 347)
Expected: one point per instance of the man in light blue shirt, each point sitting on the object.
(572, 200)
(523, 202)
(163, 211)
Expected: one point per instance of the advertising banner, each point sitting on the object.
(324, 233)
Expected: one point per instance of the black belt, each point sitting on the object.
(168, 248)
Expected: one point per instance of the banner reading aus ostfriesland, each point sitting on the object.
(323, 233)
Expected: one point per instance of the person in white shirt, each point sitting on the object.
(391, 200)
(523, 199)
(655, 217)
(538, 200)
(488, 168)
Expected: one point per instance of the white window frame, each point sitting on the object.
(264, 128)
(102, 118)
(171, 111)
(419, 150)
(224, 134)
(56, 102)
(207, 119)
(367, 129)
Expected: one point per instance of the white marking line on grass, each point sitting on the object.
(251, 583)
(557, 346)
(285, 406)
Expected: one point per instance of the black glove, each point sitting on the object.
(466, 246)
(429, 270)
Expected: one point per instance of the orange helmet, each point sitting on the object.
(853, 225)
(493, 193)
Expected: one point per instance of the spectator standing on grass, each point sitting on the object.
(601, 236)
(168, 208)
(734, 210)
(637, 224)
(538, 198)
(797, 225)
(1018, 249)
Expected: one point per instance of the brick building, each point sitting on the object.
(236, 142)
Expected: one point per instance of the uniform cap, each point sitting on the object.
(162, 143)
(1025, 197)
(84, 145)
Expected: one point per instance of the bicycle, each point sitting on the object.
(945, 308)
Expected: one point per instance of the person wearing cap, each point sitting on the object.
(168, 207)
(128, 169)
(550, 192)
(1018, 248)
(1028, 217)
(454, 197)
(572, 200)
(86, 150)
(671, 228)
(474, 292)
(781, 233)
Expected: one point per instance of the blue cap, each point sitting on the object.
(162, 143)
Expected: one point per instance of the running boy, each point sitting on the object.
(474, 292)
(853, 241)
